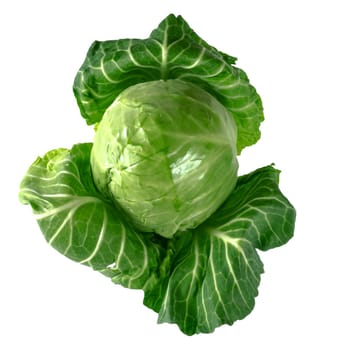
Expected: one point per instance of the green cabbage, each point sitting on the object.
(155, 202)
(165, 151)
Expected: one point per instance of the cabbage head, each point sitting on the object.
(165, 151)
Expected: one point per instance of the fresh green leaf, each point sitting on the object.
(80, 224)
(215, 269)
(259, 208)
(173, 51)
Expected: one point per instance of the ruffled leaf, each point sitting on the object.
(173, 51)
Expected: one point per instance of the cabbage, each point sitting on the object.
(165, 151)
(155, 202)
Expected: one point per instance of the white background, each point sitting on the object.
(289, 50)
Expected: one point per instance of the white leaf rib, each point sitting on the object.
(155, 58)
(41, 196)
(164, 54)
(230, 86)
(61, 227)
(244, 107)
(215, 283)
(135, 62)
(226, 227)
(206, 77)
(70, 237)
(194, 279)
(118, 66)
(55, 176)
(71, 205)
(144, 266)
(122, 246)
(270, 198)
(176, 58)
(100, 239)
(235, 242)
(105, 74)
(197, 61)
(176, 41)
(204, 308)
(231, 270)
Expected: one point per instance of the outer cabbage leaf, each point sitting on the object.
(201, 278)
(214, 270)
(83, 226)
(173, 51)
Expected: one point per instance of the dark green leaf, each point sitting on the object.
(215, 269)
(173, 51)
(83, 226)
